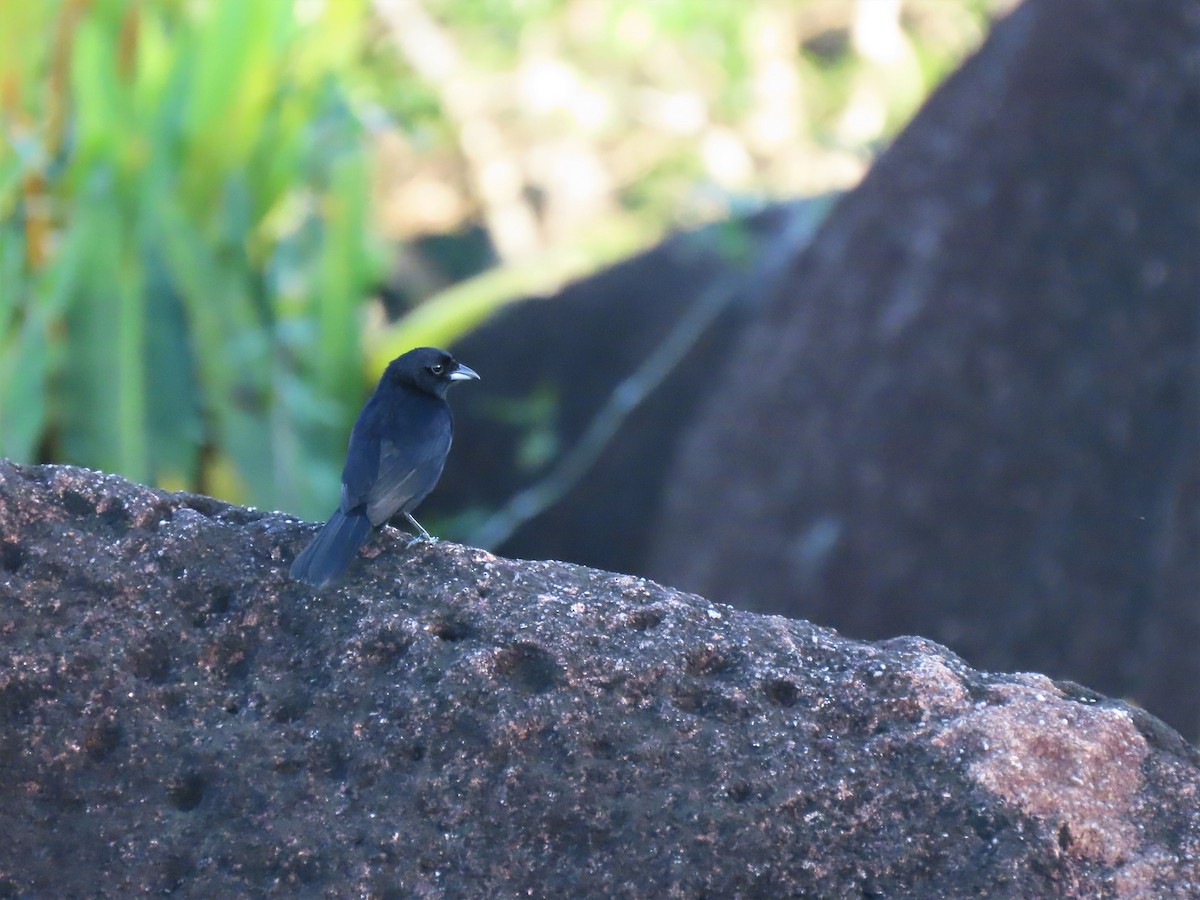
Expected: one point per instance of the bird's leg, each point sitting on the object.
(424, 534)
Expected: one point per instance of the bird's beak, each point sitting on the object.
(464, 373)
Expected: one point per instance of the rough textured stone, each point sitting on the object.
(175, 715)
(972, 409)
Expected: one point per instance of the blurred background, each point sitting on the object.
(880, 313)
(220, 219)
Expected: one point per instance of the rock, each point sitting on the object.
(551, 363)
(177, 716)
(972, 408)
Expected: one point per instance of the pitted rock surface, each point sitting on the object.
(177, 716)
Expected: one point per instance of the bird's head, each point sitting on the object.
(428, 369)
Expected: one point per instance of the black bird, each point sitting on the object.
(397, 449)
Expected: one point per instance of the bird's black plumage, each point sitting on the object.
(397, 449)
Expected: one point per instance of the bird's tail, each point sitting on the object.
(330, 552)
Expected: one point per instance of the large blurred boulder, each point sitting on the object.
(550, 364)
(177, 716)
(972, 410)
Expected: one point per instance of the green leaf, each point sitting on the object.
(173, 403)
(100, 116)
(101, 379)
(24, 361)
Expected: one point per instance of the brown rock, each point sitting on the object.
(550, 365)
(176, 715)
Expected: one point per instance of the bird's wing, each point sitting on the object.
(405, 476)
(397, 449)
(362, 461)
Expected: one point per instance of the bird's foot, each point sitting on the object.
(422, 535)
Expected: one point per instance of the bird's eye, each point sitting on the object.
(437, 369)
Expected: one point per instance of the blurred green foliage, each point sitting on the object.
(184, 246)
